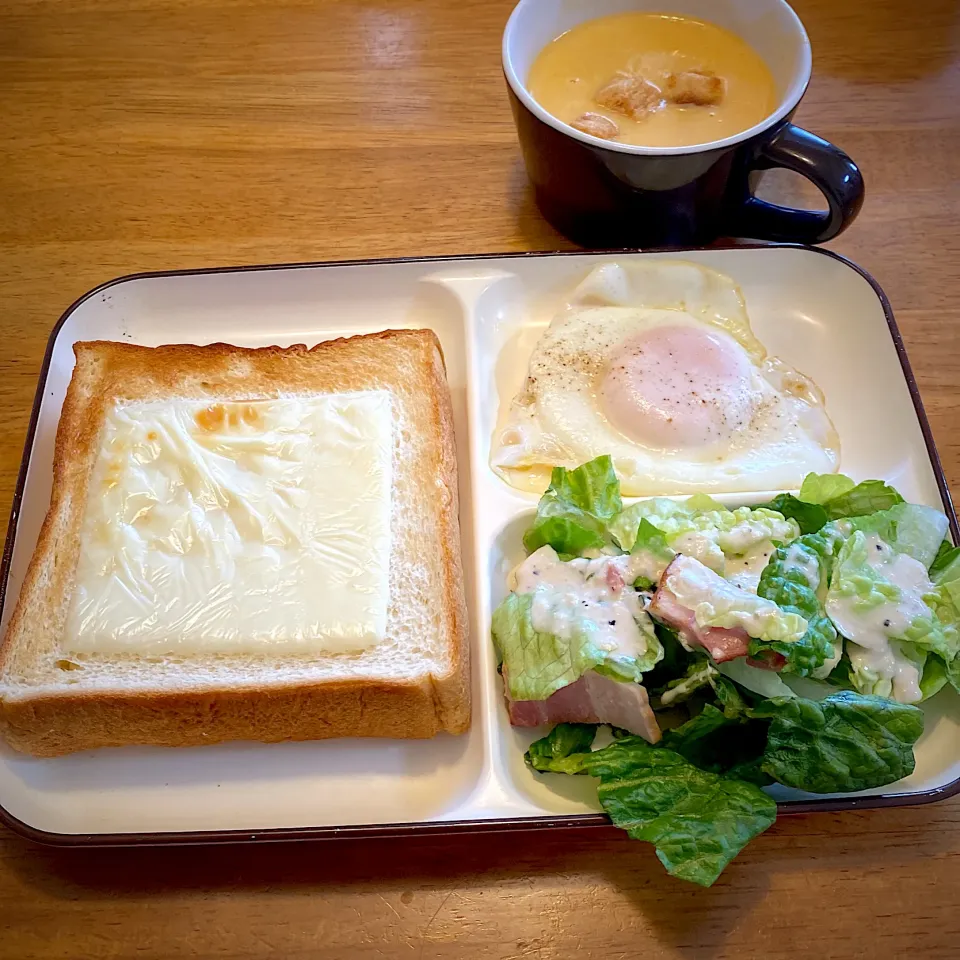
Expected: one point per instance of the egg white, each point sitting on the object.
(557, 419)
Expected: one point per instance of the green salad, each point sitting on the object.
(719, 651)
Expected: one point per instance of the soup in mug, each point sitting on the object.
(653, 80)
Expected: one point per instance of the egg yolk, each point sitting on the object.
(678, 386)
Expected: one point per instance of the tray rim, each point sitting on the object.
(445, 827)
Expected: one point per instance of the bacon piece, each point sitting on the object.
(597, 125)
(691, 86)
(591, 699)
(614, 578)
(720, 642)
(630, 95)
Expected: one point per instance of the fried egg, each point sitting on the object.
(656, 364)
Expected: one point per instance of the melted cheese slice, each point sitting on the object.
(257, 527)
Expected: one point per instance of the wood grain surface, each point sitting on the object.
(140, 135)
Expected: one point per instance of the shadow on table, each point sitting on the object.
(598, 866)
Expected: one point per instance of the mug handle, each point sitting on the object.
(827, 167)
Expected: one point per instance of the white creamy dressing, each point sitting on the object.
(701, 547)
(646, 564)
(739, 555)
(713, 599)
(871, 629)
(744, 571)
(747, 534)
(599, 591)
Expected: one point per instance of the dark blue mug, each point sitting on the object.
(602, 193)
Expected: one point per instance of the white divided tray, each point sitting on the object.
(816, 311)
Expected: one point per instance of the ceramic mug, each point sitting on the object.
(605, 194)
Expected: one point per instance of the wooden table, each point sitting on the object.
(143, 135)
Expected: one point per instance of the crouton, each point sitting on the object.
(597, 125)
(630, 95)
(702, 89)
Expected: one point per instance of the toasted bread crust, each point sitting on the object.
(53, 725)
(47, 722)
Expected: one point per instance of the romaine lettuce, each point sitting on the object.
(842, 744)
(765, 683)
(821, 487)
(945, 601)
(560, 751)
(865, 498)
(696, 796)
(674, 663)
(810, 517)
(729, 742)
(573, 513)
(792, 579)
(908, 528)
(946, 556)
(934, 677)
(698, 821)
(946, 582)
(897, 676)
(854, 577)
(699, 674)
(716, 602)
(650, 553)
(898, 624)
(704, 528)
(536, 665)
(840, 497)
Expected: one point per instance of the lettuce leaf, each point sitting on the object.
(853, 577)
(840, 497)
(945, 601)
(537, 664)
(730, 698)
(857, 588)
(842, 744)
(650, 551)
(953, 673)
(934, 677)
(814, 655)
(810, 517)
(698, 821)
(907, 660)
(946, 556)
(573, 513)
(699, 674)
(722, 742)
(560, 751)
(842, 674)
(908, 528)
(928, 633)
(716, 602)
(674, 663)
(867, 497)
(593, 486)
(821, 487)
(696, 796)
(715, 531)
(764, 683)
(792, 579)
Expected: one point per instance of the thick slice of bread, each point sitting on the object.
(412, 684)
